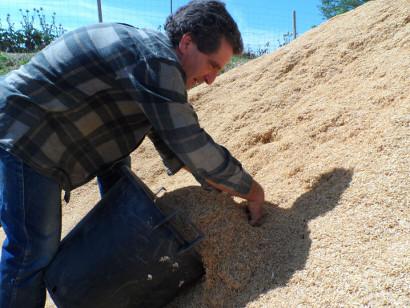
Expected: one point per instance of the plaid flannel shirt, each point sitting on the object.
(89, 99)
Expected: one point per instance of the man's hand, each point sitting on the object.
(256, 210)
(255, 197)
(256, 200)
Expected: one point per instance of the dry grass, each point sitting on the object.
(323, 124)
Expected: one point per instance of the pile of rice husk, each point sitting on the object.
(323, 125)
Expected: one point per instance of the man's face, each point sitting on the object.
(200, 67)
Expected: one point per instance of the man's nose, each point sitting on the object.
(210, 78)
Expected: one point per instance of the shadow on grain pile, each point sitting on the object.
(241, 261)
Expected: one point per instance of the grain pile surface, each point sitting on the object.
(323, 124)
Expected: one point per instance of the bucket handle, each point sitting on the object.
(172, 214)
(186, 245)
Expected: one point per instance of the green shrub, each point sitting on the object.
(5, 63)
(9, 62)
(29, 38)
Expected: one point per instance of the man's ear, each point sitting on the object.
(185, 43)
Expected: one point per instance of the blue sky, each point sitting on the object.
(260, 21)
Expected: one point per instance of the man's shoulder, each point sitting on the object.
(122, 31)
(154, 40)
(145, 43)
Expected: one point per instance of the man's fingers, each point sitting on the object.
(256, 211)
(254, 220)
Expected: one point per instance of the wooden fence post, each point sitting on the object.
(294, 25)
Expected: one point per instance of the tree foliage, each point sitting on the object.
(330, 8)
(28, 37)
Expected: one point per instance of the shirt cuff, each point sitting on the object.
(172, 165)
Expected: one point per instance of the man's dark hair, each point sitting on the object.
(207, 21)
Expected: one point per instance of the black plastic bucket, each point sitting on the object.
(123, 253)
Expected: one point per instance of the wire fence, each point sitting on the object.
(263, 27)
